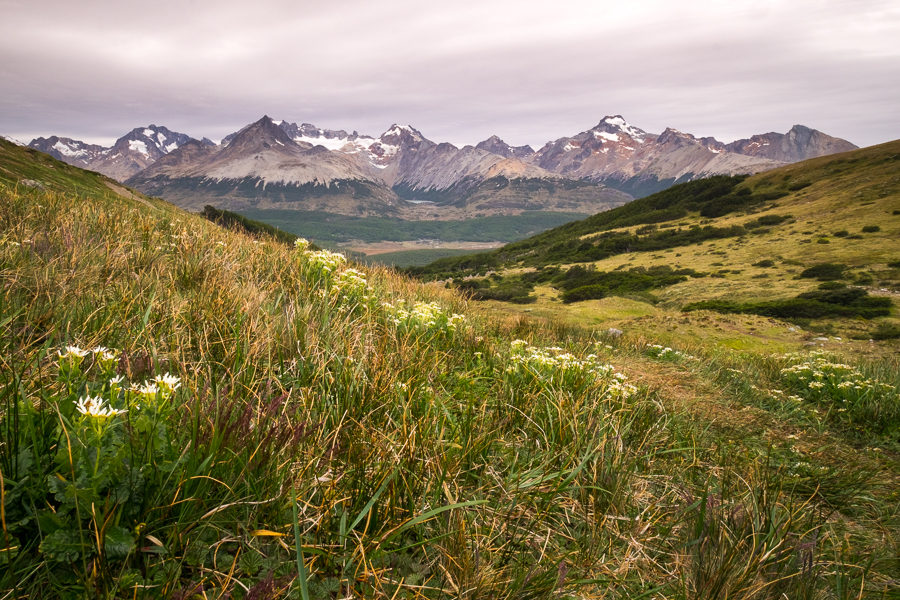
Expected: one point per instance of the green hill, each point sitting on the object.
(731, 244)
(190, 411)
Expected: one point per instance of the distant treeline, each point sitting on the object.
(231, 220)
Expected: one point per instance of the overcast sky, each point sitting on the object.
(526, 70)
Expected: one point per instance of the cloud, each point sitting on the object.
(461, 71)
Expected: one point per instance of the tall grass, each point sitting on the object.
(339, 433)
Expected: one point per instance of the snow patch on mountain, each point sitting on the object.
(138, 146)
(67, 150)
(612, 137)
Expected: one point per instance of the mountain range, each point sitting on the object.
(401, 173)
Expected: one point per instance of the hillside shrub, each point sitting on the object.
(798, 185)
(765, 263)
(829, 302)
(871, 229)
(824, 271)
(582, 283)
(885, 331)
(585, 292)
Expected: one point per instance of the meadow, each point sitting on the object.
(192, 411)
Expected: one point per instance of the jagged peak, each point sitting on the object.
(403, 131)
(802, 129)
(617, 124)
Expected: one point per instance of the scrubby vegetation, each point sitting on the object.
(825, 271)
(827, 301)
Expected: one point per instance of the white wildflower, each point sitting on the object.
(72, 352)
(94, 407)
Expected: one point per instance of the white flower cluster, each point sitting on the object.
(817, 375)
(95, 406)
(73, 355)
(319, 261)
(666, 353)
(325, 260)
(326, 270)
(161, 387)
(555, 365)
(424, 316)
(350, 284)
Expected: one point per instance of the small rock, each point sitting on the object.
(820, 339)
(613, 332)
(33, 184)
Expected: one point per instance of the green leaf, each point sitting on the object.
(250, 563)
(64, 546)
(118, 542)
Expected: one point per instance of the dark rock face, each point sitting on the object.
(497, 146)
(800, 143)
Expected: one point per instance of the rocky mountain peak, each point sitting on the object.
(495, 145)
(257, 136)
(615, 124)
(673, 137)
(800, 143)
(402, 135)
(150, 142)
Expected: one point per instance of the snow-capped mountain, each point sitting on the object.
(285, 165)
(131, 153)
(632, 160)
(74, 152)
(261, 166)
(280, 163)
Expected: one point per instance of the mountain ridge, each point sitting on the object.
(281, 163)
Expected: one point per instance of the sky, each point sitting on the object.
(528, 71)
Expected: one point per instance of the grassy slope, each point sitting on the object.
(407, 461)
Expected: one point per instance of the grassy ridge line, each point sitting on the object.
(424, 456)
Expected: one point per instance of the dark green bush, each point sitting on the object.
(824, 271)
(765, 264)
(772, 219)
(617, 282)
(886, 331)
(799, 185)
(585, 292)
(832, 301)
(871, 229)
